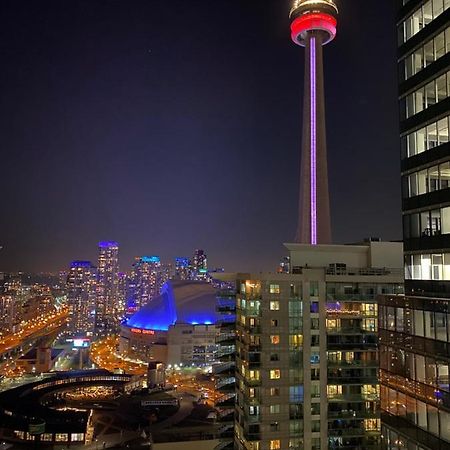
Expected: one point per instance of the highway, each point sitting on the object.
(104, 354)
(37, 327)
(26, 337)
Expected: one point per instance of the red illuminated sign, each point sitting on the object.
(139, 331)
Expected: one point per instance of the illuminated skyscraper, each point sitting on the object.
(123, 280)
(148, 277)
(81, 282)
(200, 264)
(182, 268)
(107, 308)
(313, 24)
(415, 328)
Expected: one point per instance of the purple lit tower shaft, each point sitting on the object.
(314, 225)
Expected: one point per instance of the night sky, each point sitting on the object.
(175, 125)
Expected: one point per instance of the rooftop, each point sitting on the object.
(190, 302)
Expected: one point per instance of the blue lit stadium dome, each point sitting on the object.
(191, 302)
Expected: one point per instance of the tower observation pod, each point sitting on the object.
(313, 24)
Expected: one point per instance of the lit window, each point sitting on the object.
(77, 437)
(275, 374)
(275, 444)
(274, 392)
(296, 340)
(275, 305)
(274, 409)
(61, 437)
(372, 424)
(274, 289)
(275, 339)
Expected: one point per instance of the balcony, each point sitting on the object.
(252, 382)
(226, 337)
(359, 446)
(363, 271)
(226, 414)
(227, 367)
(256, 329)
(226, 400)
(353, 364)
(362, 414)
(350, 330)
(345, 380)
(227, 383)
(226, 429)
(353, 398)
(226, 351)
(350, 314)
(345, 432)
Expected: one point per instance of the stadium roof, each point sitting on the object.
(191, 302)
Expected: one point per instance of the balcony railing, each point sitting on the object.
(350, 330)
(363, 379)
(225, 381)
(351, 432)
(221, 368)
(353, 397)
(227, 398)
(364, 271)
(353, 364)
(226, 337)
(365, 414)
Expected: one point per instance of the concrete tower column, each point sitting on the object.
(314, 224)
(314, 25)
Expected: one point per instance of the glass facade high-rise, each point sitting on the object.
(200, 265)
(148, 276)
(415, 328)
(182, 268)
(80, 285)
(107, 306)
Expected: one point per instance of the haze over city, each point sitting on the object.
(226, 225)
(116, 125)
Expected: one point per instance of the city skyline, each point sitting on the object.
(139, 117)
(172, 289)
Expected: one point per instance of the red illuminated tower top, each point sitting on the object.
(313, 15)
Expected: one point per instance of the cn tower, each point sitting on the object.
(313, 24)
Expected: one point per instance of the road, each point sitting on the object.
(105, 355)
(39, 326)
